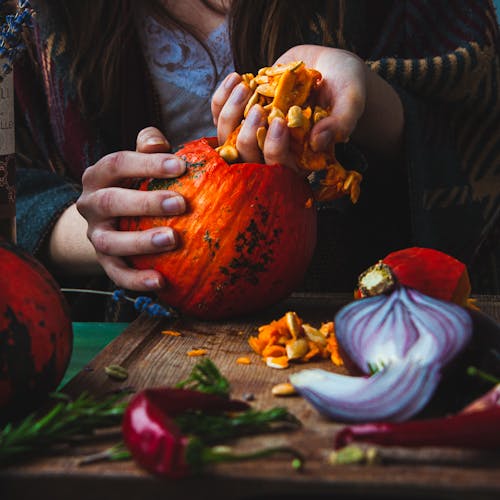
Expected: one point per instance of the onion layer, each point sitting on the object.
(406, 338)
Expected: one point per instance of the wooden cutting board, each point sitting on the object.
(154, 359)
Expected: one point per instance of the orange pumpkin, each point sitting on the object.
(246, 239)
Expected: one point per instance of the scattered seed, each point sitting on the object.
(248, 396)
(116, 372)
(284, 389)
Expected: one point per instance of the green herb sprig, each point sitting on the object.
(68, 420)
(206, 377)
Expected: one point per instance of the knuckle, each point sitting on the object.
(113, 162)
(82, 204)
(105, 201)
(100, 241)
(88, 175)
(146, 203)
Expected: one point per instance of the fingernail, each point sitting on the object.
(239, 94)
(276, 129)
(163, 239)
(231, 80)
(254, 116)
(156, 141)
(173, 205)
(321, 141)
(152, 283)
(174, 166)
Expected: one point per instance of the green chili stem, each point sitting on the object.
(473, 371)
(212, 455)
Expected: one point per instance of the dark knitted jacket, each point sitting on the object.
(442, 57)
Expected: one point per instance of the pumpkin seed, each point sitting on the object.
(292, 322)
(284, 389)
(261, 137)
(297, 348)
(294, 117)
(281, 68)
(314, 335)
(261, 79)
(253, 100)
(229, 153)
(266, 89)
(319, 114)
(116, 372)
(275, 113)
(247, 78)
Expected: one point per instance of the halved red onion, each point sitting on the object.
(407, 337)
(384, 328)
(395, 393)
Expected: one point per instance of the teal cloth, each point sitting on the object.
(89, 339)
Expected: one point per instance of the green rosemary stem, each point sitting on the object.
(65, 421)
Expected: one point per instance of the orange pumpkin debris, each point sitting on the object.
(197, 352)
(243, 360)
(289, 339)
(288, 91)
(172, 333)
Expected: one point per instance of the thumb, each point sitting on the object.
(151, 140)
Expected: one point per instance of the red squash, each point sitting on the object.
(246, 239)
(36, 336)
(429, 271)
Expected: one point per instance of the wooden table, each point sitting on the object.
(154, 359)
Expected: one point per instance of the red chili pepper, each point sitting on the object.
(488, 400)
(155, 440)
(478, 430)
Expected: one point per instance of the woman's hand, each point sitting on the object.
(363, 106)
(104, 200)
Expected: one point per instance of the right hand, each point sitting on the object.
(104, 200)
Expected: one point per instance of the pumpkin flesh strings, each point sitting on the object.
(288, 91)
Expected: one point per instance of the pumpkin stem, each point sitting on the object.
(376, 280)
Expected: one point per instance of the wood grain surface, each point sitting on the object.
(155, 359)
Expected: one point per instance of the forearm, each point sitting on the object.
(68, 249)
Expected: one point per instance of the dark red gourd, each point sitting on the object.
(246, 239)
(36, 336)
(428, 270)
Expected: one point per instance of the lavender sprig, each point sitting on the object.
(11, 29)
(141, 303)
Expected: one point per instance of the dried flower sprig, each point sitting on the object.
(11, 29)
(141, 303)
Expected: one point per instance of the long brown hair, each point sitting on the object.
(260, 34)
(98, 32)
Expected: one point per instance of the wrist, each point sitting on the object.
(380, 127)
(68, 249)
